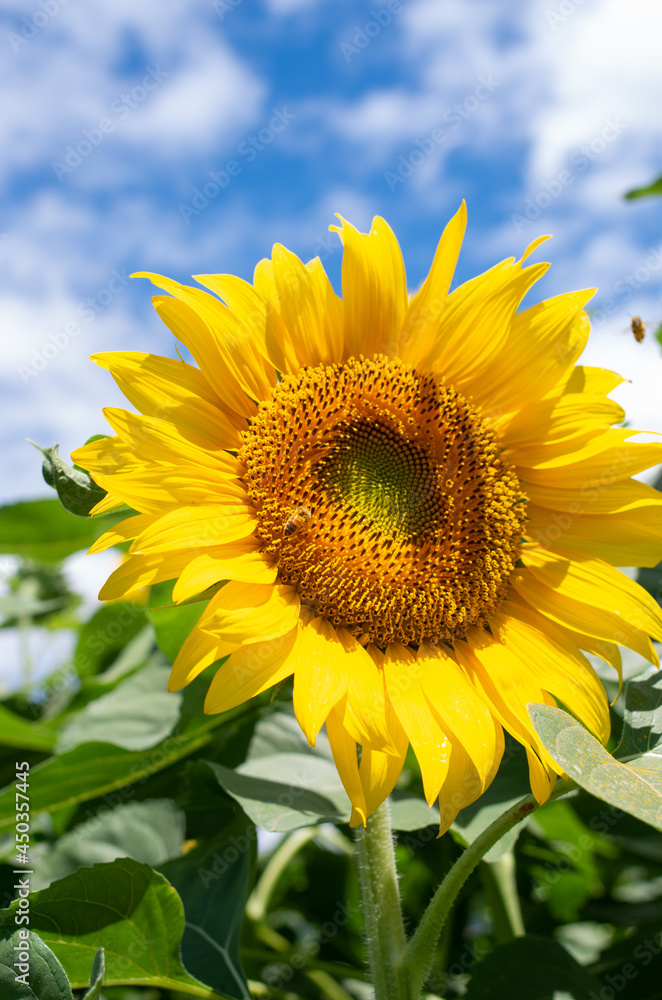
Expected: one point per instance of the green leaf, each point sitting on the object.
(95, 769)
(136, 715)
(126, 908)
(213, 882)
(531, 968)
(42, 529)
(45, 979)
(25, 604)
(96, 978)
(18, 732)
(409, 812)
(76, 489)
(635, 787)
(286, 791)
(509, 786)
(105, 635)
(642, 720)
(642, 192)
(151, 832)
(278, 735)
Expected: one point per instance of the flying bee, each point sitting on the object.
(638, 328)
(297, 520)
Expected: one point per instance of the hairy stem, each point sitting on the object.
(385, 932)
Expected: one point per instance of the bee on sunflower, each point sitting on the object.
(413, 505)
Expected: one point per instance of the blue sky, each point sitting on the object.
(284, 112)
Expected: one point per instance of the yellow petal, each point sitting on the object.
(239, 560)
(219, 343)
(461, 351)
(599, 623)
(541, 346)
(109, 502)
(155, 440)
(421, 323)
(137, 572)
(628, 538)
(595, 582)
(541, 777)
(364, 709)
(196, 528)
(123, 531)
(343, 748)
(309, 308)
(428, 740)
(108, 455)
(379, 771)
(252, 669)
(321, 676)
(160, 488)
(558, 667)
(174, 391)
(374, 288)
(251, 612)
(506, 684)
(596, 499)
(199, 650)
(557, 427)
(463, 785)
(603, 460)
(461, 711)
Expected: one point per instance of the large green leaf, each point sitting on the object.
(284, 784)
(151, 832)
(42, 976)
(642, 720)
(106, 634)
(213, 882)
(95, 769)
(124, 907)
(641, 192)
(137, 714)
(531, 968)
(43, 529)
(18, 732)
(635, 787)
(286, 791)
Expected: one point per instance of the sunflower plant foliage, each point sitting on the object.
(401, 515)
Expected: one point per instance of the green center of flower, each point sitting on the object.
(380, 493)
(384, 478)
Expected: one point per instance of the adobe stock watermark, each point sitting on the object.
(224, 7)
(627, 285)
(119, 109)
(363, 35)
(561, 14)
(580, 160)
(247, 151)
(407, 164)
(60, 339)
(33, 23)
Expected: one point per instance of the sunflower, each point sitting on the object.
(413, 505)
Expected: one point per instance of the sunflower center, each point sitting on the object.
(380, 493)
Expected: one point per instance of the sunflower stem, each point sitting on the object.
(385, 933)
(414, 965)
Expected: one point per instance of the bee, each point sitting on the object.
(297, 520)
(638, 328)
